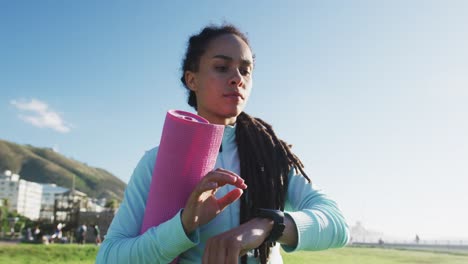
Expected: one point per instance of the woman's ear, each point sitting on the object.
(190, 80)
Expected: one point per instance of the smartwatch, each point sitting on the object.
(278, 222)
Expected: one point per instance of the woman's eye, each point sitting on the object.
(244, 72)
(221, 68)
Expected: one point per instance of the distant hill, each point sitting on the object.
(43, 165)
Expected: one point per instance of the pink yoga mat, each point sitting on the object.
(187, 152)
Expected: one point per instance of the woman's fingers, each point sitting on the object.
(210, 254)
(229, 198)
(206, 186)
(217, 179)
(238, 241)
(223, 177)
(240, 183)
(202, 205)
(232, 253)
(222, 249)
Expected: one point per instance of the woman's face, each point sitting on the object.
(224, 79)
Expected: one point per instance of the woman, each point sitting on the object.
(236, 212)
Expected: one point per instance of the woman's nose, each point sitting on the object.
(236, 78)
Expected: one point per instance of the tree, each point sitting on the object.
(112, 204)
(4, 217)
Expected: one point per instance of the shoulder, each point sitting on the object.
(147, 161)
(143, 171)
(150, 155)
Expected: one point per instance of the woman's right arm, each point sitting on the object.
(123, 242)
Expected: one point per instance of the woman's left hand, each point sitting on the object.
(230, 245)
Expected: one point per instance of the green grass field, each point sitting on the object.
(15, 254)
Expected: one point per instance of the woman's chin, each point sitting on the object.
(233, 114)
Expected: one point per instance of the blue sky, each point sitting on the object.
(372, 94)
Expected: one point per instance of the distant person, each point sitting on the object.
(58, 230)
(29, 234)
(417, 239)
(57, 236)
(82, 234)
(259, 198)
(381, 242)
(37, 234)
(97, 234)
(78, 234)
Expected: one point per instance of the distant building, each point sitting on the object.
(23, 196)
(360, 234)
(48, 201)
(93, 205)
(68, 205)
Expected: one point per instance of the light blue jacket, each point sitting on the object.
(320, 224)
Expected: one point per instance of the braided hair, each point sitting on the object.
(263, 167)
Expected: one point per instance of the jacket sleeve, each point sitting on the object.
(160, 244)
(320, 223)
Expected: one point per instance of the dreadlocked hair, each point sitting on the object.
(265, 162)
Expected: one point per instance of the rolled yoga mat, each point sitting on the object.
(188, 150)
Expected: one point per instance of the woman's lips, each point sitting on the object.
(234, 98)
(234, 95)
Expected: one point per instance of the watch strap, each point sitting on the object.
(278, 222)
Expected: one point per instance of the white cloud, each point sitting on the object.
(38, 113)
